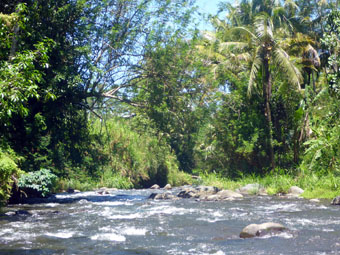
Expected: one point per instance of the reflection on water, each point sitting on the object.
(125, 222)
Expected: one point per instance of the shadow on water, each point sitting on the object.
(89, 198)
(31, 252)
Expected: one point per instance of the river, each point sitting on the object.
(126, 222)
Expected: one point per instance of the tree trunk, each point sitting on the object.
(267, 90)
(14, 39)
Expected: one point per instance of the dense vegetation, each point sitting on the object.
(124, 93)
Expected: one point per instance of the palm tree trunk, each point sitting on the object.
(267, 91)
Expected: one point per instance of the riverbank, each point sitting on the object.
(323, 187)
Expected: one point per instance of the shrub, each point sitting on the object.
(8, 172)
(39, 183)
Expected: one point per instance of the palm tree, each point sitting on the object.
(269, 55)
(260, 44)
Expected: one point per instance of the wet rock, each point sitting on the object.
(167, 187)
(223, 195)
(229, 193)
(336, 201)
(254, 230)
(163, 196)
(252, 189)
(156, 186)
(314, 200)
(103, 192)
(198, 192)
(70, 190)
(207, 189)
(11, 213)
(294, 190)
(22, 212)
(187, 193)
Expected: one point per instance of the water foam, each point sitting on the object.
(63, 235)
(131, 231)
(109, 237)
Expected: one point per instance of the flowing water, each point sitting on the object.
(126, 222)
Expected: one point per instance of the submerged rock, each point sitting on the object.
(336, 201)
(254, 230)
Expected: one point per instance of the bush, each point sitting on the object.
(38, 183)
(8, 172)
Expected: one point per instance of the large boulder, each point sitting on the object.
(223, 195)
(295, 191)
(336, 201)
(254, 230)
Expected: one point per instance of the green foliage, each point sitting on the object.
(144, 159)
(41, 181)
(9, 172)
(110, 179)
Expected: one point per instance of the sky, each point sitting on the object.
(208, 7)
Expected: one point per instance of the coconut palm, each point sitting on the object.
(267, 56)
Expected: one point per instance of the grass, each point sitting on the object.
(326, 187)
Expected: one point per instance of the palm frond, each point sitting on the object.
(238, 46)
(292, 73)
(264, 28)
(243, 30)
(208, 35)
(257, 63)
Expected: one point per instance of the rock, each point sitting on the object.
(229, 193)
(207, 189)
(111, 189)
(11, 213)
(156, 186)
(69, 190)
(251, 189)
(294, 190)
(254, 230)
(314, 200)
(103, 192)
(163, 196)
(167, 187)
(336, 201)
(222, 195)
(22, 212)
(198, 192)
(187, 193)
(76, 191)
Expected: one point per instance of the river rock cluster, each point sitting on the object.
(203, 193)
(210, 193)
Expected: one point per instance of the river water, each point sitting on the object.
(126, 222)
